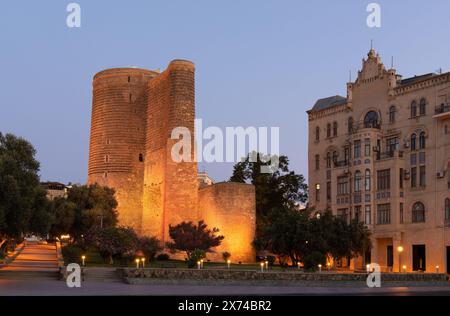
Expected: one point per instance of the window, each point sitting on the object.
(105, 174)
(400, 179)
(392, 145)
(358, 180)
(141, 158)
(358, 214)
(413, 142)
(347, 155)
(367, 147)
(328, 130)
(357, 149)
(317, 133)
(335, 129)
(418, 213)
(106, 158)
(335, 158)
(423, 107)
(413, 109)
(392, 112)
(350, 125)
(129, 78)
(368, 215)
(422, 176)
(328, 191)
(372, 120)
(317, 162)
(384, 180)
(343, 187)
(367, 180)
(328, 160)
(413, 177)
(317, 192)
(383, 214)
(447, 209)
(401, 214)
(422, 140)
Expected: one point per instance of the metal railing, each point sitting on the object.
(443, 108)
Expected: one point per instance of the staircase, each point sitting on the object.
(35, 261)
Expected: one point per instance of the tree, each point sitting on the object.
(20, 191)
(150, 246)
(188, 237)
(281, 189)
(95, 206)
(113, 241)
(63, 213)
(226, 256)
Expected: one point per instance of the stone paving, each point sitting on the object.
(35, 257)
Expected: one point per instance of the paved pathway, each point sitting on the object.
(35, 257)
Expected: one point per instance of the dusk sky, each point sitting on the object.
(258, 62)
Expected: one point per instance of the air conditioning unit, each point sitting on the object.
(441, 174)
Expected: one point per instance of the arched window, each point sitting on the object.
(335, 157)
(358, 180)
(328, 130)
(413, 109)
(392, 112)
(350, 125)
(423, 106)
(418, 213)
(317, 133)
(335, 129)
(413, 142)
(447, 209)
(372, 120)
(422, 140)
(328, 160)
(367, 180)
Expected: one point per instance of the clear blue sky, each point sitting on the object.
(259, 62)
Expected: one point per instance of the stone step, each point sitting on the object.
(28, 275)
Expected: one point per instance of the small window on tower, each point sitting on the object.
(141, 158)
(129, 78)
(105, 175)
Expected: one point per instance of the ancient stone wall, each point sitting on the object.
(230, 207)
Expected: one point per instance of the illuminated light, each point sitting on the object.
(262, 266)
(228, 263)
(83, 258)
(400, 249)
(143, 262)
(318, 186)
(137, 263)
(198, 265)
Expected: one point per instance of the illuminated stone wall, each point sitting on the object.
(231, 208)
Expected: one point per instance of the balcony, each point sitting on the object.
(442, 111)
(390, 154)
(361, 126)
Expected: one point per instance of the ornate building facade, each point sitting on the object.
(134, 112)
(381, 155)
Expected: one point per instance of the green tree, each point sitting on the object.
(20, 192)
(150, 246)
(95, 206)
(113, 242)
(63, 213)
(282, 189)
(188, 237)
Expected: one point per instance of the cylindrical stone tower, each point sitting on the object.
(117, 140)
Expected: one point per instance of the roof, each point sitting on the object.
(417, 79)
(330, 102)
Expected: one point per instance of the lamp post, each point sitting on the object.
(137, 263)
(368, 268)
(228, 263)
(262, 266)
(201, 263)
(320, 268)
(143, 262)
(404, 268)
(198, 265)
(400, 250)
(298, 266)
(267, 264)
(437, 269)
(83, 260)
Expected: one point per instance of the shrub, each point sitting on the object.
(271, 260)
(312, 260)
(162, 257)
(72, 253)
(226, 255)
(196, 255)
(150, 246)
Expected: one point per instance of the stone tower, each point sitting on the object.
(134, 112)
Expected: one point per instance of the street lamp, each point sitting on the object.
(262, 266)
(137, 263)
(404, 268)
(83, 258)
(228, 263)
(320, 268)
(400, 250)
(298, 266)
(143, 262)
(267, 264)
(198, 265)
